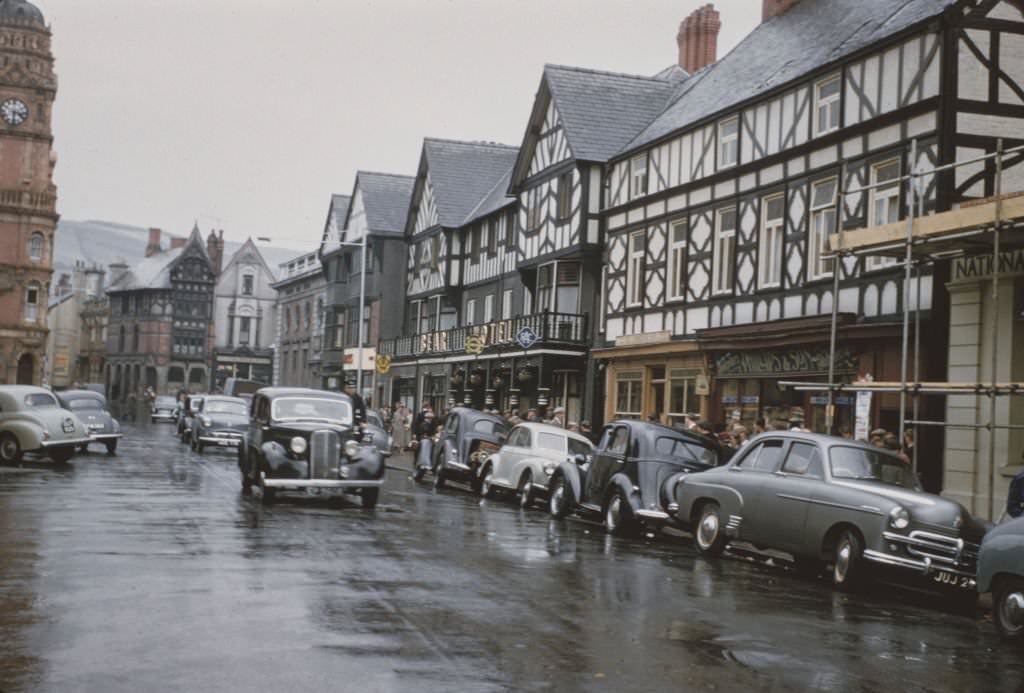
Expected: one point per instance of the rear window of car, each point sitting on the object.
(685, 450)
(219, 406)
(490, 427)
(164, 402)
(551, 441)
(40, 399)
(83, 403)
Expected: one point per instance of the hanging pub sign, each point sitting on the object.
(526, 337)
(789, 362)
(474, 344)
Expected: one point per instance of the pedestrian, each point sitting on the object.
(891, 442)
(704, 428)
(573, 426)
(1015, 496)
(740, 436)
(586, 431)
(531, 414)
(878, 437)
(759, 425)
(131, 405)
(908, 443)
(400, 427)
(558, 418)
(358, 405)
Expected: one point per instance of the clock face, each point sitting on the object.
(14, 111)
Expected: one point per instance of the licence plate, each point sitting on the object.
(947, 579)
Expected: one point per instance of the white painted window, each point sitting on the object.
(545, 285)
(485, 240)
(769, 258)
(435, 252)
(35, 247)
(638, 176)
(823, 223)
(534, 212)
(602, 311)
(248, 281)
(564, 196)
(470, 315)
(32, 303)
(506, 304)
(884, 204)
(826, 105)
(488, 308)
(725, 249)
(728, 142)
(628, 386)
(677, 259)
(635, 269)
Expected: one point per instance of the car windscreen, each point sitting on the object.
(165, 402)
(860, 464)
(40, 400)
(311, 409)
(578, 447)
(85, 403)
(215, 406)
(686, 451)
(490, 427)
(373, 418)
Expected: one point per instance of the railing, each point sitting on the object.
(566, 329)
(23, 199)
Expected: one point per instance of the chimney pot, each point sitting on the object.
(698, 38)
(774, 8)
(178, 242)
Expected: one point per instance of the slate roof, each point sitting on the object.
(463, 173)
(154, 272)
(337, 213)
(248, 251)
(386, 199)
(811, 34)
(496, 199)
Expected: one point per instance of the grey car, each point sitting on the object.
(91, 408)
(376, 433)
(831, 501)
(1001, 572)
(221, 423)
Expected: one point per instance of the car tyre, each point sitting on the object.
(708, 534)
(848, 561)
(524, 493)
(243, 467)
(1008, 608)
(439, 473)
(369, 498)
(618, 516)
(418, 472)
(486, 490)
(10, 449)
(112, 447)
(61, 455)
(560, 497)
(267, 495)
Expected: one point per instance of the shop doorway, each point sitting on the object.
(26, 370)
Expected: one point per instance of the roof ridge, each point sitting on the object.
(361, 172)
(487, 195)
(609, 73)
(475, 143)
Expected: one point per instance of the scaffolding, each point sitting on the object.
(918, 240)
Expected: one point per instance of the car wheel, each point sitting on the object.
(369, 498)
(1008, 608)
(708, 534)
(847, 561)
(617, 513)
(267, 495)
(525, 494)
(560, 497)
(439, 475)
(112, 447)
(62, 454)
(10, 449)
(486, 490)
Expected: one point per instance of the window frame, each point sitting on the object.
(563, 196)
(507, 298)
(634, 379)
(814, 272)
(767, 226)
(721, 286)
(892, 193)
(32, 242)
(733, 141)
(677, 259)
(469, 316)
(248, 284)
(435, 252)
(833, 103)
(635, 251)
(488, 309)
(638, 172)
(30, 308)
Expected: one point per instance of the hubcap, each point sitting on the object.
(524, 494)
(842, 561)
(708, 532)
(7, 449)
(486, 486)
(556, 498)
(614, 511)
(1012, 611)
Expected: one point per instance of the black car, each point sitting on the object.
(466, 440)
(221, 423)
(91, 407)
(299, 438)
(632, 478)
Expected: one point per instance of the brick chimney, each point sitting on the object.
(698, 38)
(215, 249)
(154, 242)
(178, 242)
(773, 8)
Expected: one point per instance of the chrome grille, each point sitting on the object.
(942, 549)
(323, 455)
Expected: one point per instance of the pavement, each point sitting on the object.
(149, 571)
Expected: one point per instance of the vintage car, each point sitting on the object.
(466, 440)
(1001, 572)
(91, 408)
(632, 478)
(300, 439)
(375, 430)
(221, 423)
(165, 408)
(529, 457)
(827, 500)
(32, 420)
(186, 414)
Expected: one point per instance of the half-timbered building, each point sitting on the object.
(719, 280)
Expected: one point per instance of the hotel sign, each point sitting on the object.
(980, 266)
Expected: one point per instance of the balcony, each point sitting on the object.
(551, 329)
(41, 202)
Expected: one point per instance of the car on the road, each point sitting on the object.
(831, 501)
(221, 423)
(91, 407)
(632, 478)
(1001, 572)
(300, 438)
(529, 457)
(187, 412)
(164, 408)
(465, 441)
(376, 432)
(32, 420)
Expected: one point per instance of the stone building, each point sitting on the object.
(68, 335)
(28, 197)
(300, 319)
(244, 318)
(161, 328)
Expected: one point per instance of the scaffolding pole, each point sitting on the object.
(995, 325)
(907, 269)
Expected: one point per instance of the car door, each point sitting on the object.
(747, 476)
(610, 458)
(786, 497)
(258, 422)
(510, 454)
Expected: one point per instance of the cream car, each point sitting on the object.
(32, 420)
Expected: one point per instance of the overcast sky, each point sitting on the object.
(248, 114)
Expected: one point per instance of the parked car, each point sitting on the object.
(300, 438)
(32, 420)
(91, 407)
(188, 411)
(240, 387)
(221, 423)
(632, 478)
(466, 440)
(829, 500)
(528, 459)
(165, 408)
(376, 432)
(1001, 572)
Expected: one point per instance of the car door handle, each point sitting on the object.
(780, 474)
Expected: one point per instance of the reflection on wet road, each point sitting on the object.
(149, 571)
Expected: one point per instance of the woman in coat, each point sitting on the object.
(400, 422)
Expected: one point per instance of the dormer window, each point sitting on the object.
(638, 176)
(826, 105)
(247, 284)
(728, 142)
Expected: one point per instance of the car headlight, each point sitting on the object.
(549, 468)
(207, 421)
(298, 445)
(351, 448)
(899, 518)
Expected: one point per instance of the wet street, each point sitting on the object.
(149, 571)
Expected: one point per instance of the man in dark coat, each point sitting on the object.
(358, 405)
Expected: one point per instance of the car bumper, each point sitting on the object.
(924, 565)
(104, 437)
(47, 444)
(164, 417)
(222, 442)
(321, 483)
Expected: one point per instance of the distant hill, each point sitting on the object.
(102, 242)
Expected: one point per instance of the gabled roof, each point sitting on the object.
(334, 226)
(386, 199)
(462, 174)
(810, 35)
(248, 251)
(154, 272)
(496, 199)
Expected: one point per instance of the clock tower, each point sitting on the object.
(28, 197)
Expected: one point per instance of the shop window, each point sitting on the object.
(635, 269)
(769, 260)
(677, 260)
(823, 223)
(826, 105)
(627, 394)
(728, 142)
(725, 249)
(884, 204)
(682, 401)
